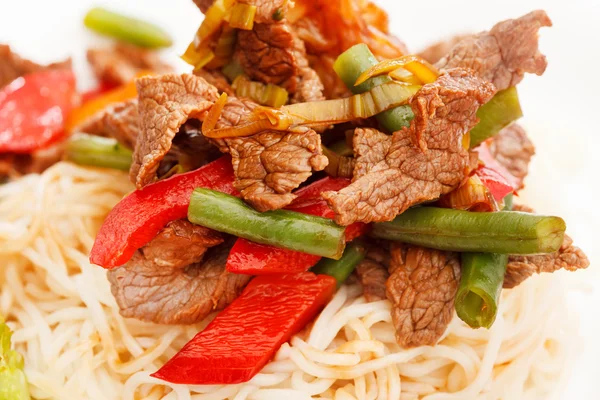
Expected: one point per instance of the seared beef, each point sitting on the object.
(175, 279)
(217, 79)
(121, 63)
(119, 121)
(373, 273)
(269, 165)
(15, 165)
(418, 163)
(204, 5)
(568, 257)
(422, 287)
(166, 102)
(437, 51)
(513, 150)
(13, 66)
(505, 53)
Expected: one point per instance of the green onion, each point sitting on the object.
(242, 16)
(502, 110)
(97, 151)
(232, 70)
(267, 95)
(279, 228)
(341, 269)
(126, 29)
(505, 232)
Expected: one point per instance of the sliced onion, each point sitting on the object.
(213, 18)
(242, 16)
(338, 166)
(267, 95)
(420, 68)
(214, 114)
(318, 113)
(472, 195)
(224, 48)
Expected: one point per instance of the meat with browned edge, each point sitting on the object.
(372, 272)
(422, 287)
(177, 278)
(505, 53)
(513, 150)
(13, 66)
(417, 163)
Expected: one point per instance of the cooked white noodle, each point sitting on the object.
(77, 346)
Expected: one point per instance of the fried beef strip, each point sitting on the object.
(505, 53)
(422, 286)
(394, 172)
(513, 149)
(13, 66)
(373, 273)
(177, 278)
(121, 63)
(166, 102)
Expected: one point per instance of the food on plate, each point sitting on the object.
(308, 210)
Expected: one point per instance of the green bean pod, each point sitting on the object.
(279, 228)
(502, 110)
(341, 269)
(506, 232)
(97, 151)
(478, 295)
(126, 29)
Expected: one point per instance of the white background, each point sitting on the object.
(561, 108)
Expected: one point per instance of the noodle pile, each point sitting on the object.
(77, 346)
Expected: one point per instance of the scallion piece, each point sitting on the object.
(97, 151)
(341, 269)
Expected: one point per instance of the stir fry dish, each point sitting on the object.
(306, 147)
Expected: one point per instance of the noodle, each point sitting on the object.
(77, 346)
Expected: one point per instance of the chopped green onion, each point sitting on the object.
(232, 70)
(126, 29)
(13, 383)
(267, 95)
(279, 228)
(97, 151)
(242, 16)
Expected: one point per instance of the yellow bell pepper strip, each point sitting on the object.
(13, 383)
(420, 68)
(88, 109)
(126, 29)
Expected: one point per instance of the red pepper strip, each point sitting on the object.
(238, 343)
(33, 110)
(136, 219)
(489, 161)
(102, 88)
(496, 183)
(251, 258)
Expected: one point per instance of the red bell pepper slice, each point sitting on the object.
(238, 343)
(251, 258)
(136, 219)
(496, 183)
(489, 161)
(33, 110)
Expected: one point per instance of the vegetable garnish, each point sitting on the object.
(13, 383)
(126, 29)
(251, 258)
(34, 108)
(242, 16)
(267, 95)
(472, 195)
(244, 337)
(453, 230)
(97, 151)
(136, 219)
(280, 228)
(503, 109)
(421, 69)
(99, 103)
(341, 269)
(319, 113)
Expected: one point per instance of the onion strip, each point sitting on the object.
(420, 68)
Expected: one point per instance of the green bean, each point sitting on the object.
(341, 269)
(126, 29)
(279, 228)
(503, 109)
(481, 282)
(497, 232)
(353, 62)
(97, 151)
